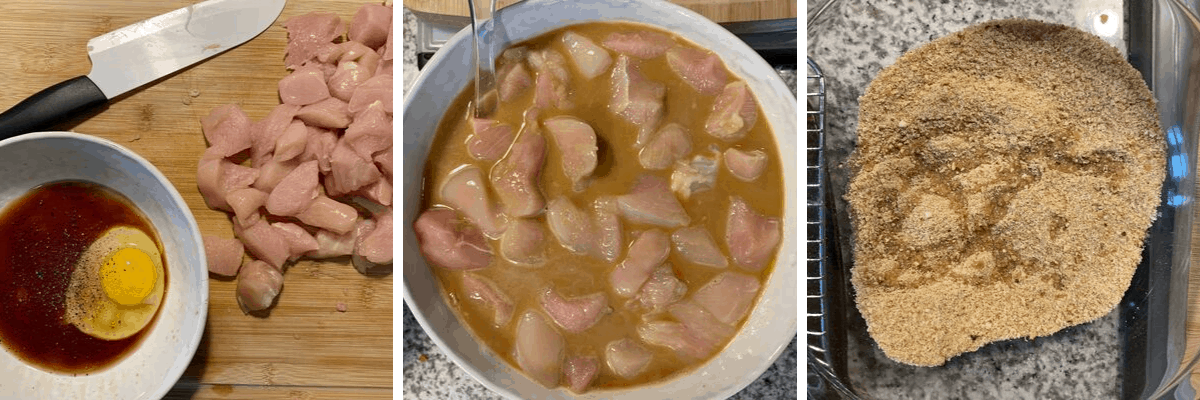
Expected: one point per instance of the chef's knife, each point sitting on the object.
(138, 54)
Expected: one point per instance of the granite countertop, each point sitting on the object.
(429, 374)
(851, 42)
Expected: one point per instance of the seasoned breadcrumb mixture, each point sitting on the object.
(1005, 177)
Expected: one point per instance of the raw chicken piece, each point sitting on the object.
(483, 292)
(379, 192)
(640, 44)
(384, 160)
(292, 142)
(728, 296)
(258, 285)
(227, 129)
(449, 242)
(746, 166)
(378, 88)
(329, 113)
(696, 176)
(307, 33)
(570, 225)
(245, 203)
(576, 142)
(662, 289)
(580, 371)
(371, 25)
(733, 114)
(697, 246)
(273, 171)
(675, 336)
(575, 314)
(703, 326)
(299, 240)
(490, 139)
(330, 244)
(370, 132)
(651, 202)
(648, 250)
(224, 255)
(539, 349)
(700, 69)
(266, 137)
(264, 242)
(217, 177)
(549, 92)
(464, 191)
(327, 213)
(514, 79)
(549, 61)
(608, 229)
(349, 75)
(295, 192)
(522, 243)
(385, 52)
(515, 177)
(348, 170)
(669, 144)
(751, 237)
(626, 357)
(636, 99)
(321, 143)
(591, 60)
(304, 86)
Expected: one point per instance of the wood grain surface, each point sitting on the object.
(716, 10)
(305, 348)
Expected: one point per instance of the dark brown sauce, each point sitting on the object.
(42, 235)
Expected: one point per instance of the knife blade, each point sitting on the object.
(135, 55)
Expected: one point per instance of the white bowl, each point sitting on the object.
(770, 326)
(150, 369)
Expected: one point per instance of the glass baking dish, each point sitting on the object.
(1140, 350)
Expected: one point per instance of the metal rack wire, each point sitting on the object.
(816, 259)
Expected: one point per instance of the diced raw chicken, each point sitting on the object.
(379, 192)
(245, 203)
(651, 202)
(696, 176)
(227, 128)
(292, 142)
(648, 250)
(307, 33)
(299, 240)
(640, 44)
(273, 171)
(580, 371)
(216, 178)
(295, 192)
(386, 51)
(636, 99)
(266, 137)
(449, 242)
(370, 132)
(549, 61)
(626, 357)
(384, 160)
(570, 225)
(258, 285)
(751, 237)
(576, 142)
(733, 114)
(464, 191)
(662, 289)
(224, 255)
(549, 92)
(522, 243)
(728, 296)
(327, 213)
(697, 246)
(669, 144)
(304, 86)
(378, 88)
(700, 69)
(608, 228)
(590, 59)
(744, 165)
(515, 177)
(675, 336)
(321, 143)
(330, 244)
(703, 326)
(490, 140)
(370, 25)
(329, 113)
(539, 349)
(575, 314)
(264, 242)
(483, 292)
(348, 171)
(348, 76)
(514, 79)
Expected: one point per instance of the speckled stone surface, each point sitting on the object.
(851, 42)
(429, 375)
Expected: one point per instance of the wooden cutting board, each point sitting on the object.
(716, 10)
(305, 348)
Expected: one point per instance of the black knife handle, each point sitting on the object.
(51, 106)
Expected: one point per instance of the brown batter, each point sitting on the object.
(1004, 180)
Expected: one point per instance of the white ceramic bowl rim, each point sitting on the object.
(150, 370)
(774, 317)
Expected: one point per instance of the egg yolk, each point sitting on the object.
(128, 276)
